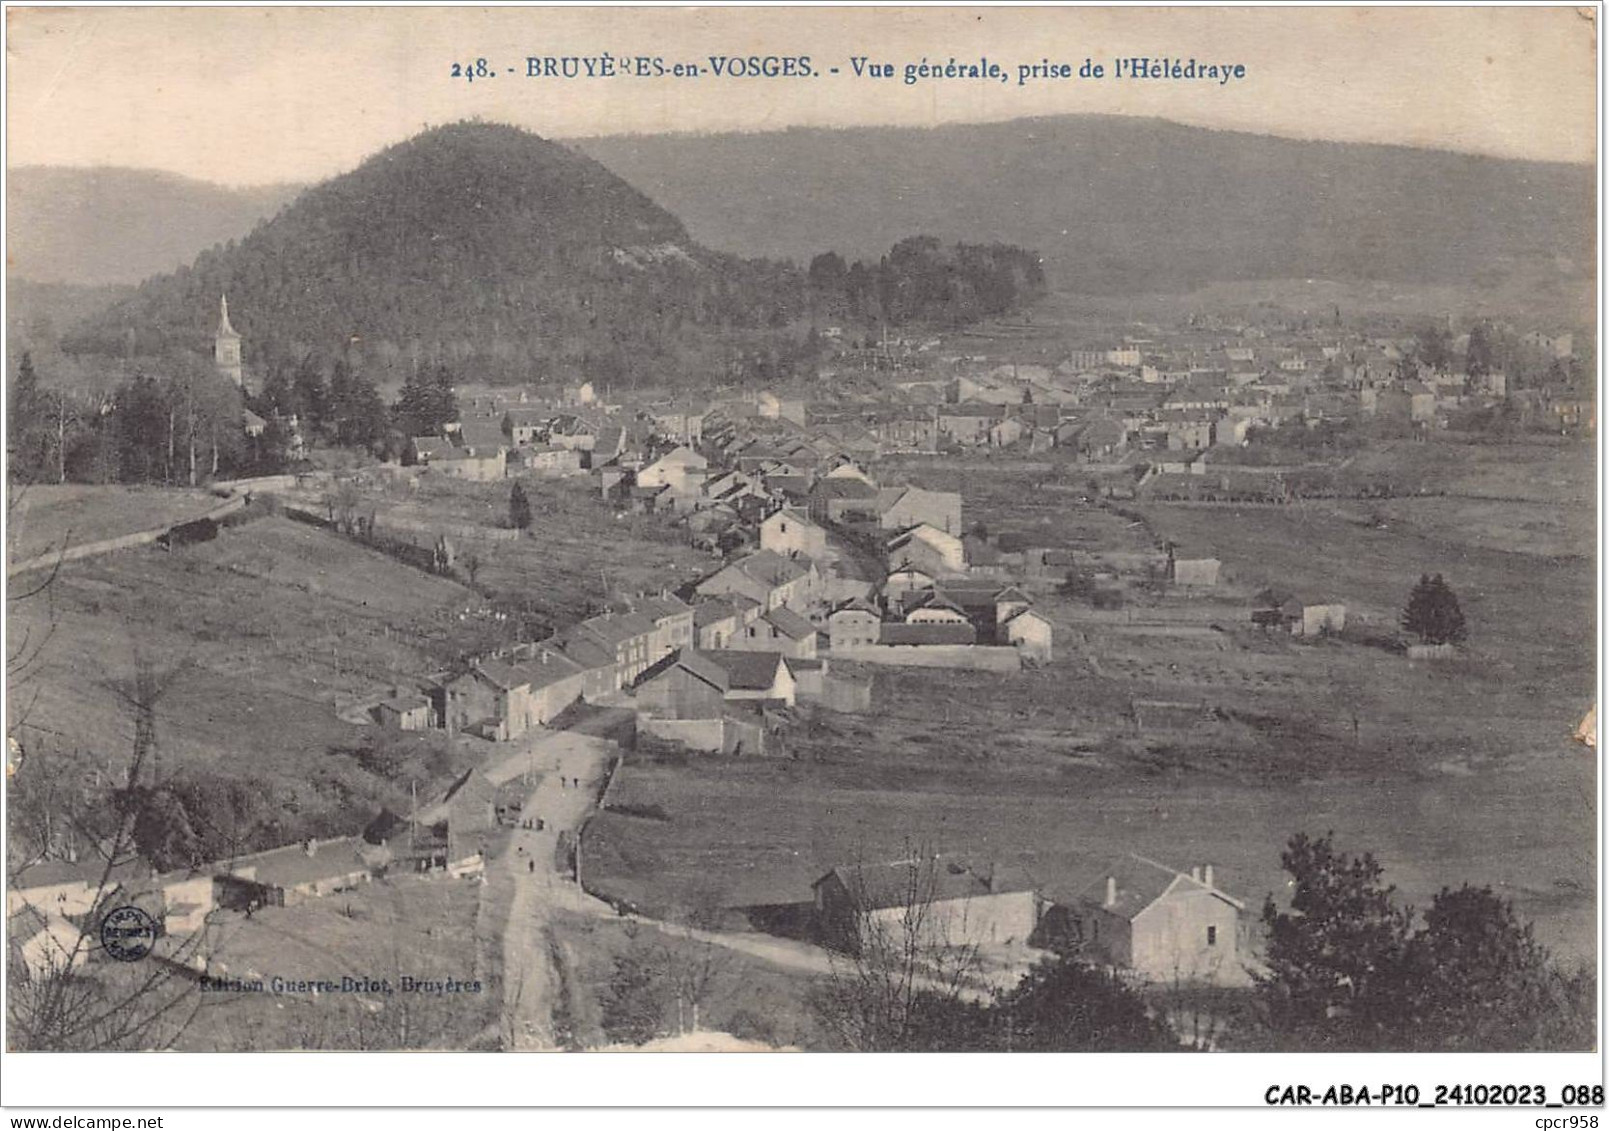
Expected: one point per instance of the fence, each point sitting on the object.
(574, 861)
(965, 657)
(122, 542)
(408, 553)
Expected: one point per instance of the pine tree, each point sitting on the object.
(311, 396)
(519, 508)
(1449, 622)
(1416, 617)
(1433, 613)
(1333, 957)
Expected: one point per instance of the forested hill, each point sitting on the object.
(478, 245)
(1120, 204)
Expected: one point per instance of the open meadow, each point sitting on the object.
(48, 517)
(578, 554)
(260, 636)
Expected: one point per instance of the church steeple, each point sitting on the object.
(226, 346)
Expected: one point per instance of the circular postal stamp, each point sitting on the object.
(128, 934)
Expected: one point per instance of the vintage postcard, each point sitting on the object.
(841, 530)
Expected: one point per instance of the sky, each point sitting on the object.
(258, 95)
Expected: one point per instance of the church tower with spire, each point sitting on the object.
(226, 346)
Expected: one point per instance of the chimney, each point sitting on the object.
(1111, 891)
(1207, 878)
(1195, 874)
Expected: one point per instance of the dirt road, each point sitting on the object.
(570, 772)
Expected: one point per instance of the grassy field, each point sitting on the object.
(578, 554)
(50, 517)
(1546, 470)
(764, 831)
(384, 930)
(264, 631)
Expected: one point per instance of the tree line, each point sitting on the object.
(189, 425)
(922, 281)
(182, 428)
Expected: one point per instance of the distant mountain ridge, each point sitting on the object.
(1116, 205)
(1119, 204)
(110, 225)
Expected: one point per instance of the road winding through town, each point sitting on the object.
(571, 769)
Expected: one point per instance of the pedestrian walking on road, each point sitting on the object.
(532, 865)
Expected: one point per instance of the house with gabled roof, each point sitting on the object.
(573, 431)
(609, 445)
(428, 448)
(629, 637)
(943, 900)
(768, 578)
(45, 945)
(403, 711)
(681, 469)
(780, 630)
(900, 508)
(673, 623)
(843, 500)
(1159, 922)
(791, 533)
(600, 673)
(684, 685)
(988, 605)
(931, 607)
(854, 624)
(755, 675)
(284, 877)
(969, 423)
(926, 547)
(523, 425)
(1029, 633)
(718, 620)
(483, 436)
(688, 698)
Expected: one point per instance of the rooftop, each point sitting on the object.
(791, 624)
(294, 864)
(899, 883)
(746, 671)
(1141, 882)
(695, 663)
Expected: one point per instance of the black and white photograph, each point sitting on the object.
(806, 530)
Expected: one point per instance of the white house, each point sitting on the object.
(790, 532)
(681, 469)
(1030, 634)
